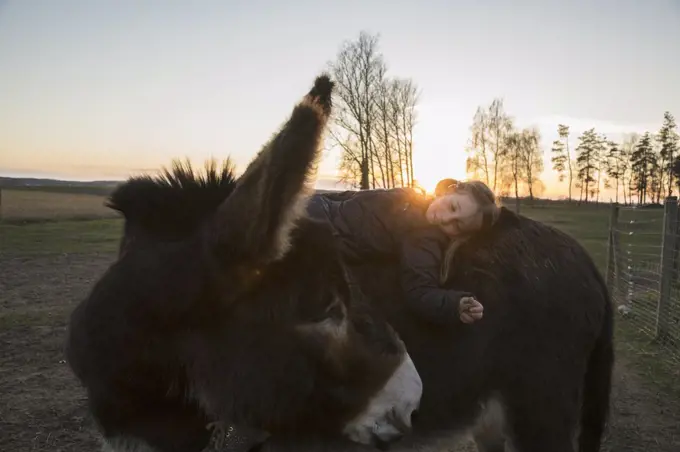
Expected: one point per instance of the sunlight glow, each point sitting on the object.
(115, 93)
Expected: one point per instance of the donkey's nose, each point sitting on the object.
(388, 415)
(386, 435)
(403, 421)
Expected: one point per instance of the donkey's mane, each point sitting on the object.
(175, 201)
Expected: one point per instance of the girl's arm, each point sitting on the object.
(421, 259)
(370, 224)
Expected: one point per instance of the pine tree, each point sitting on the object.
(668, 139)
(643, 164)
(601, 163)
(561, 159)
(559, 162)
(616, 166)
(627, 148)
(563, 131)
(587, 160)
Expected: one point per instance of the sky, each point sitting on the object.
(94, 89)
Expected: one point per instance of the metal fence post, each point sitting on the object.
(670, 217)
(612, 272)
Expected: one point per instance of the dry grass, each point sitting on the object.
(60, 237)
(32, 205)
(46, 268)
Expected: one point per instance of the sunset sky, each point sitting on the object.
(102, 89)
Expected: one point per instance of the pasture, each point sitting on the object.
(54, 245)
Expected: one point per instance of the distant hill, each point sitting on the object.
(38, 182)
(105, 187)
(99, 187)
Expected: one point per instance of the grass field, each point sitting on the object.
(53, 247)
(21, 206)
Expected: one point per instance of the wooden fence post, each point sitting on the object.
(613, 254)
(670, 217)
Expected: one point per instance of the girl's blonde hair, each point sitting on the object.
(489, 207)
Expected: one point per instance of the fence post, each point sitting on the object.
(670, 218)
(612, 272)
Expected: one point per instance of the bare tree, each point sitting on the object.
(478, 158)
(385, 141)
(500, 128)
(396, 134)
(531, 158)
(374, 118)
(408, 99)
(487, 148)
(512, 168)
(356, 72)
(350, 171)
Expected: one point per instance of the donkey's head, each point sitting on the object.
(301, 352)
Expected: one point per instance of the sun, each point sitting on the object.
(433, 163)
(427, 176)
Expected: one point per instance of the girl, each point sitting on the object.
(460, 210)
(422, 232)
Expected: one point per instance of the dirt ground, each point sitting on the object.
(43, 408)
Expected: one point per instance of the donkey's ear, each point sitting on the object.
(254, 224)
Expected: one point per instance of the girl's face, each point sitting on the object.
(455, 213)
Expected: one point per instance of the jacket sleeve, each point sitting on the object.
(421, 259)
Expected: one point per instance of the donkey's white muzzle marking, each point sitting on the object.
(388, 415)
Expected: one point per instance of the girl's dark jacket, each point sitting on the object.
(383, 223)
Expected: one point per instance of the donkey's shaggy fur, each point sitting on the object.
(228, 305)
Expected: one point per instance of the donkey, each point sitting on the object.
(227, 305)
(534, 374)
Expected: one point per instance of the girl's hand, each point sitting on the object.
(470, 310)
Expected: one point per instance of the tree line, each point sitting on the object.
(506, 158)
(373, 118)
(643, 168)
(375, 115)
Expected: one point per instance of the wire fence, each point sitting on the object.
(643, 272)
